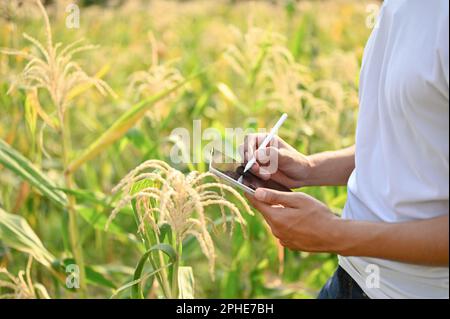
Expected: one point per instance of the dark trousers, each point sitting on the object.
(341, 286)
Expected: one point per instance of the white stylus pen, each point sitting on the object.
(266, 141)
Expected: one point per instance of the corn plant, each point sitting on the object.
(75, 118)
(169, 206)
(21, 286)
(53, 70)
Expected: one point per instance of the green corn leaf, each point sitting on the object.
(17, 163)
(96, 278)
(131, 284)
(31, 114)
(93, 276)
(17, 234)
(165, 231)
(256, 68)
(229, 95)
(186, 283)
(126, 286)
(98, 221)
(136, 290)
(120, 127)
(87, 196)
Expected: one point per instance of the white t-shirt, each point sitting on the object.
(402, 140)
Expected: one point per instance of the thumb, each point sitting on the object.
(273, 197)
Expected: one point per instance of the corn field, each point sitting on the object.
(91, 205)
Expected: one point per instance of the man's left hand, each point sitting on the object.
(298, 220)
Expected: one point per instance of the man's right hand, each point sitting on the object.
(278, 161)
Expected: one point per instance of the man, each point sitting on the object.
(395, 224)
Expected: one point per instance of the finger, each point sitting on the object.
(288, 245)
(262, 168)
(257, 170)
(266, 210)
(265, 155)
(278, 218)
(263, 173)
(283, 179)
(251, 143)
(254, 140)
(274, 156)
(273, 197)
(266, 172)
(270, 160)
(283, 243)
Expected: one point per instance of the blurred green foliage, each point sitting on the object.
(325, 41)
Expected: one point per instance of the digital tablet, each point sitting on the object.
(231, 171)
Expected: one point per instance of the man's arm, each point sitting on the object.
(419, 242)
(331, 168)
(304, 223)
(282, 163)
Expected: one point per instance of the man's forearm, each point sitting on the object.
(424, 242)
(331, 168)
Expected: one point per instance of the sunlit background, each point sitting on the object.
(256, 60)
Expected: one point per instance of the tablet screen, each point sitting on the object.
(235, 171)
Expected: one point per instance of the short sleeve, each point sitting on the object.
(443, 48)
